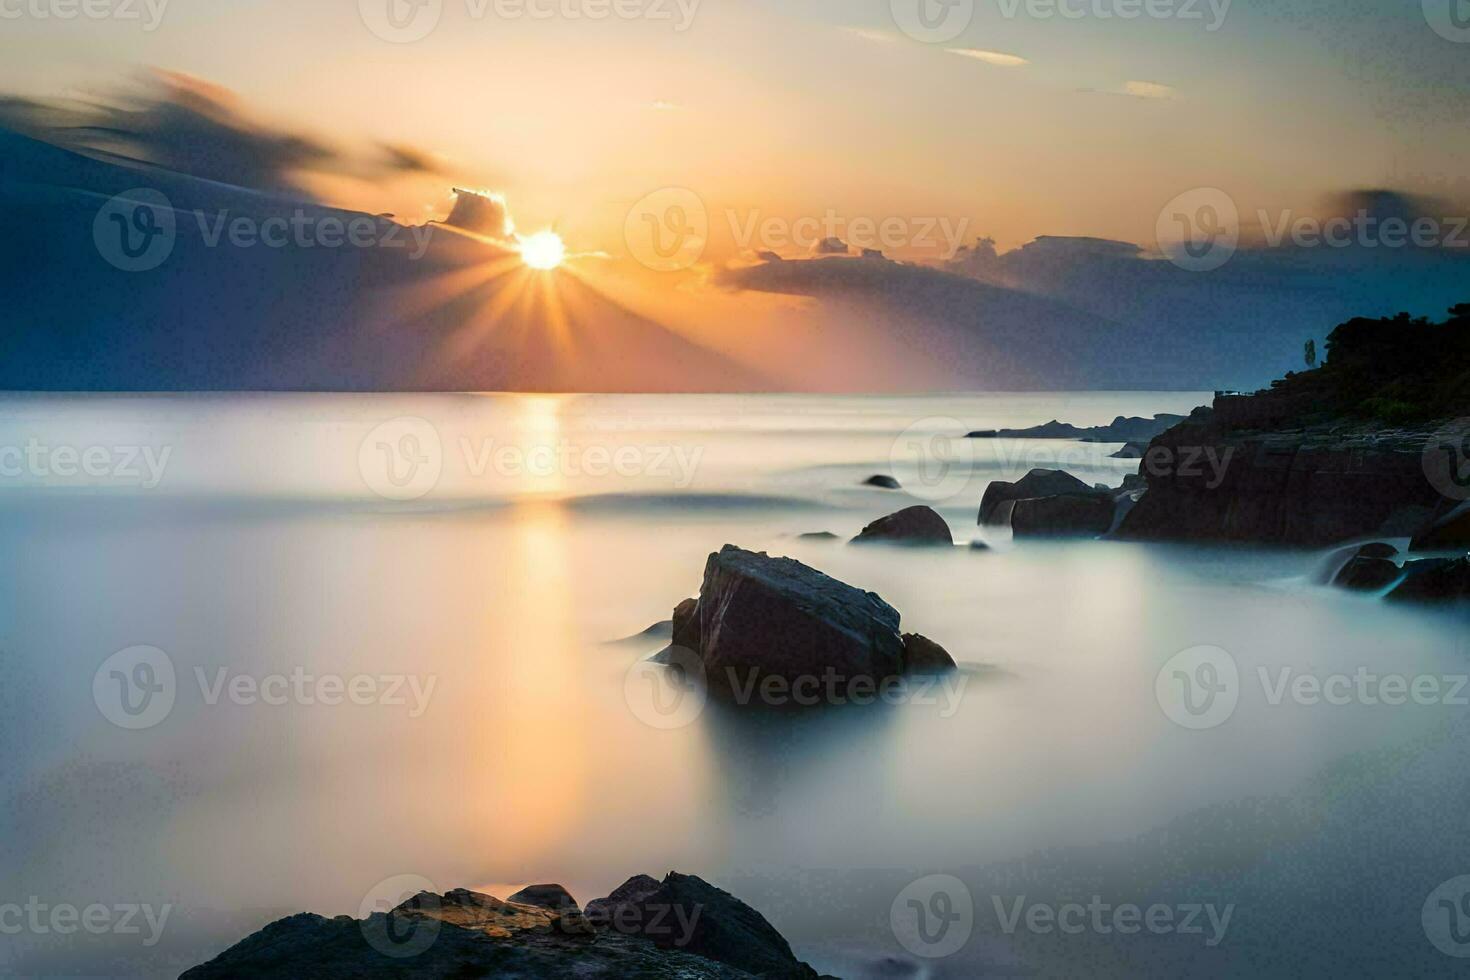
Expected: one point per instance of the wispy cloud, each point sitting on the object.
(868, 34)
(663, 106)
(1148, 90)
(999, 58)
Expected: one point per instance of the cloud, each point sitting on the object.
(1148, 90)
(998, 58)
(192, 126)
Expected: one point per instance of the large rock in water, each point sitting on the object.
(1037, 483)
(914, 525)
(686, 913)
(1065, 515)
(759, 617)
(466, 934)
(1363, 573)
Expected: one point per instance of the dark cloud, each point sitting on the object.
(195, 127)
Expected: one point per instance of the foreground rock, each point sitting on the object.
(681, 928)
(914, 525)
(759, 617)
(1037, 483)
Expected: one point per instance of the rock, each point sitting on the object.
(637, 888)
(1121, 430)
(1434, 580)
(1065, 515)
(915, 525)
(1378, 549)
(979, 546)
(688, 914)
(983, 434)
(818, 536)
(466, 934)
(1448, 532)
(1366, 574)
(884, 482)
(1133, 481)
(553, 897)
(1037, 483)
(1133, 450)
(762, 616)
(1329, 568)
(922, 656)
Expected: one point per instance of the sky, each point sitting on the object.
(1022, 124)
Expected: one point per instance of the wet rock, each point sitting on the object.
(1434, 580)
(1367, 574)
(1037, 483)
(914, 525)
(688, 914)
(883, 482)
(553, 897)
(922, 656)
(1066, 515)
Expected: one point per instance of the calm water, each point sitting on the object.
(466, 561)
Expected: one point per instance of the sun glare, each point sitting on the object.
(543, 250)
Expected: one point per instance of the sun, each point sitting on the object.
(543, 250)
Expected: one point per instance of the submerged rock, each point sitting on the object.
(818, 536)
(759, 617)
(1364, 573)
(883, 482)
(1037, 483)
(914, 525)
